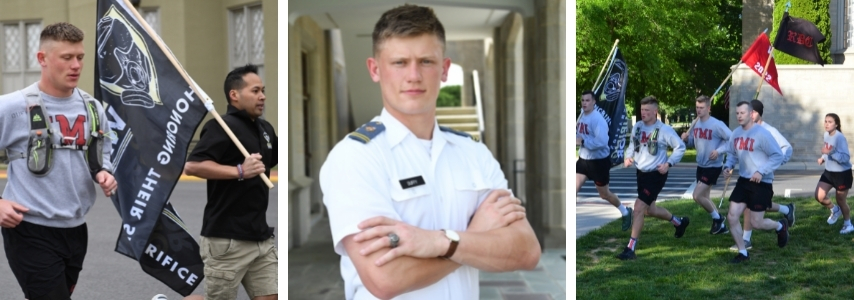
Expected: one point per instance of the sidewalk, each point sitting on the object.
(313, 273)
(274, 176)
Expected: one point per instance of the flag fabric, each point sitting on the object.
(757, 55)
(799, 38)
(611, 103)
(153, 114)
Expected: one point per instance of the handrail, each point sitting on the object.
(478, 102)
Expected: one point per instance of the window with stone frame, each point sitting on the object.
(849, 25)
(246, 38)
(152, 17)
(19, 44)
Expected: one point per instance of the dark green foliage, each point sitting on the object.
(449, 96)
(675, 52)
(815, 11)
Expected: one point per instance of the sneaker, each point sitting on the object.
(680, 230)
(718, 226)
(159, 297)
(740, 258)
(747, 246)
(834, 216)
(846, 229)
(783, 234)
(790, 217)
(627, 220)
(627, 254)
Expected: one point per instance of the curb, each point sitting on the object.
(274, 177)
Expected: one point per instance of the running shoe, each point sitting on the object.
(680, 230)
(783, 234)
(718, 226)
(627, 254)
(627, 220)
(747, 246)
(846, 229)
(834, 216)
(740, 258)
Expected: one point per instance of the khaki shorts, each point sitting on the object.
(230, 262)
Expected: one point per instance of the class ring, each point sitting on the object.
(393, 240)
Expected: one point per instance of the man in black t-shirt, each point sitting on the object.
(237, 245)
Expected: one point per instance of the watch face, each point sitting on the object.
(452, 235)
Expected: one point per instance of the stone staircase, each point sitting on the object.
(459, 118)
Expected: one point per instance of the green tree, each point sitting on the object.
(815, 11)
(675, 52)
(449, 96)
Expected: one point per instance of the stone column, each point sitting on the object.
(545, 117)
(756, 16)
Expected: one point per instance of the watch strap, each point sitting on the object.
(451, 249)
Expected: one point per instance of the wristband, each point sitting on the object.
(239, 172)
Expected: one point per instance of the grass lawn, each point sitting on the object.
(816, 264)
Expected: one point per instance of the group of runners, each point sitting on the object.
(755, 146)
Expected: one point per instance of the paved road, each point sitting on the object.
(109, 275)
(591, 212)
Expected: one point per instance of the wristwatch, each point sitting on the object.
(455, 240)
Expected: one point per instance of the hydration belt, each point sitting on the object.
(651, 143)
(39, 153)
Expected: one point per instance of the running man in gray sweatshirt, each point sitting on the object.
(43, 216)
(837, 172)
(594, 161)
(757, 154)
(709, 136)
(787, 210)
(648, 152)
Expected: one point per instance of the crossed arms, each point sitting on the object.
(499, 238)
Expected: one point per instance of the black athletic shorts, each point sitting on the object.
(841, 181)
(757, 196)
(649, 185)
(45, 260)
(598, 170)
(708, 176)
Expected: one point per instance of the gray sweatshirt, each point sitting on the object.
(63, 196)
(754, 150)
(785, 147)
(839, 158)
(708, 136)
(593, 130)
(667, 137)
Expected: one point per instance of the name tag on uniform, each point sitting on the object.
(411, 182)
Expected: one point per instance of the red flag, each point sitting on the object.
(757, 55)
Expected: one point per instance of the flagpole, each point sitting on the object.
(607, 59)
(208, 102)
(764, 72)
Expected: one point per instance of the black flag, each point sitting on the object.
(611, 103)
(799, 38)
(153, 114)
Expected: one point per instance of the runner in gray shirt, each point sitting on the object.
(648, 152)
(758, 155)
(594, 157)
(837, 172)
(788, 210)
(709, 136)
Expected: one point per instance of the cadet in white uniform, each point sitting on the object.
(416, 210)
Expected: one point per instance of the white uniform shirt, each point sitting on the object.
(362, 180)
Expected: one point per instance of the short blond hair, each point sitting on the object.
(650, 100)
(61, 32)
(407, 21)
